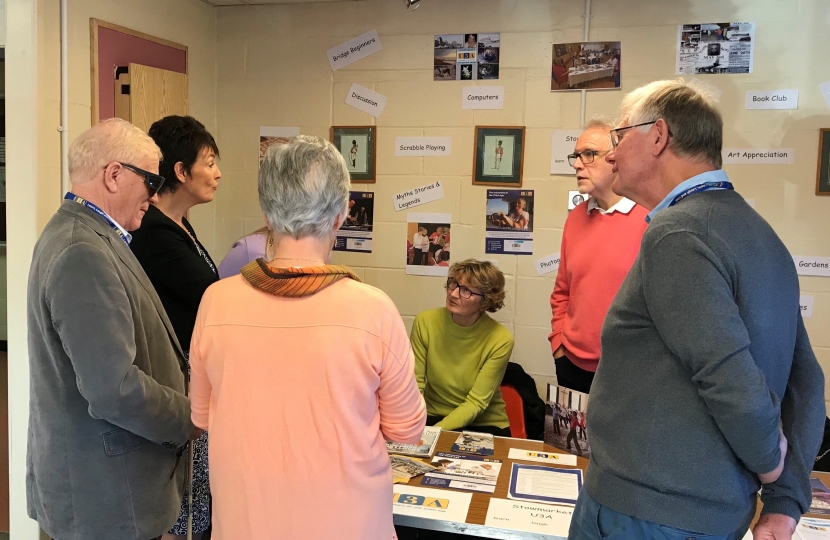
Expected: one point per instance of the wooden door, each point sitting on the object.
(153, 94)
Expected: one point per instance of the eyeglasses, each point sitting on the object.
(586, 156)
(617, 134)
(463, 291)
(151, 180)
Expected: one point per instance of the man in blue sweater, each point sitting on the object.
(708, 388)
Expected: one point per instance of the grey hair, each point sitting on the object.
(111, 140)
(601, 122)
(303, 187)
(689, 108)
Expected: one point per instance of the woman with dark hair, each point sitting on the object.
(178, 266)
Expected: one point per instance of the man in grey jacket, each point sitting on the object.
(708, 388)
(108, 411)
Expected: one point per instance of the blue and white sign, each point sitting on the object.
(509, 220)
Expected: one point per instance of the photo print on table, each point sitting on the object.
(357, 144)
(428, 244)
(565, 428)
(355, 234)
(466, 57)
(498, 155)
(592, 65)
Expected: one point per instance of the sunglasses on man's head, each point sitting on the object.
(151, 180)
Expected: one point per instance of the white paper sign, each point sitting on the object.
(548, 264)
(548, 519)
(772, 99)
(418, 196)
(806, 305)
(429, 503)
(562, 145)
(825, 91)
(812, 266)
(354, 49)
(758, 156)
(423, 146)
(482, 97)
(575, 198)
(542, 457)
(366, 100)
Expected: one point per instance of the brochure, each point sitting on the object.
(821, 498)
(463, 472)
(812, 529)
(405, 469)
(471, 442)
(537, 483)
(424, 448)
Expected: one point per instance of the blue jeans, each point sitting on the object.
(593, 521)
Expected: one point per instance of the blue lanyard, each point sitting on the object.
(701, 187)
(80, 200)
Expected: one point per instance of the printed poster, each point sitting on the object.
(428, 244)
(586, 66)
(355, 234)
(714, 48)
(466, 57)
(509, 219)
(271, 135)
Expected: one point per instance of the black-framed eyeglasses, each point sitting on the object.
(463, 291)
(617, 133)
(151, 180)
(586, 156)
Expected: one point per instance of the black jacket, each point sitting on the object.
(178, 272)
(534, 407)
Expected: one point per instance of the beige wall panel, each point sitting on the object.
(424, 103)
(533, 300)
(391, 165)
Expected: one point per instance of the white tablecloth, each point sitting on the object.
(576, 78)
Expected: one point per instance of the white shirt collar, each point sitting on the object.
(624, 206)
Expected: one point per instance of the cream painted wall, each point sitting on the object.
(188, 22)
(273, 70)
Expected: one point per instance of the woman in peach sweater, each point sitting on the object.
(300, 371)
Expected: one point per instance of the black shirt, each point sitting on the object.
(179, 268)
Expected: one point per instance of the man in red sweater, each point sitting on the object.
(599, 244)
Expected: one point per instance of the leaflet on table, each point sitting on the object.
(821, 497)
(405, 469)
(537, 483)
(424, 447)
(355, 234)
(531, 517)
(430, 503)
(812, 529)
(713, 48)
(542, 457)
(471, 442)
(509, 219)
(463, 472)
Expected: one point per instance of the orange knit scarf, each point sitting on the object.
(294, 282)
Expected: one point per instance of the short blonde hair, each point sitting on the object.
(689, 108)
(484, 276)
(111, 140)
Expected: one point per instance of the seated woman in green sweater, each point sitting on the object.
(461, 353)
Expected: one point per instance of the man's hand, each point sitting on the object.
(196, 433)
(773, 475)
(774, 527)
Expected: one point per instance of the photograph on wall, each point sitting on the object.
(565, 428)
(823, 167)
(466, 57)
(357, 144)
(509, 220)
(428, 244)
(586, 66)
(714, 48)
(271, 135)
(355, 234)
(499, 156)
